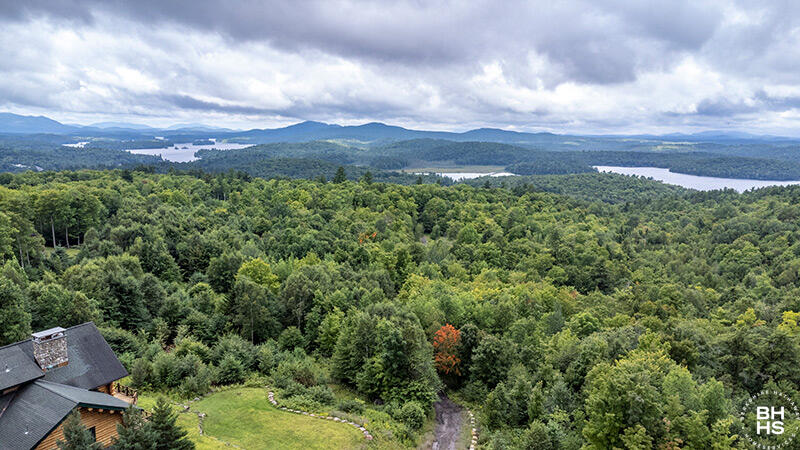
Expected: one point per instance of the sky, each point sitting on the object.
(567, 66)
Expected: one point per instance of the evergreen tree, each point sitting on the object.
(76, 436)
(134, 433)
(169, 436)
(15, 322)
(340, 176)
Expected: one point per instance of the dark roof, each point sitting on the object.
(39, 407)
(16, 367)
(91, 364)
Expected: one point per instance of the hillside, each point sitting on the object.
(534, 309)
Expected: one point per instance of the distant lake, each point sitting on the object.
(694, 181)
(185, 152)
(458, 176)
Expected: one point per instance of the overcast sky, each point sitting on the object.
(614, 66)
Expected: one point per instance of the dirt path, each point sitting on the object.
(448, 424)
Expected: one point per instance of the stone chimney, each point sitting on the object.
(50, 348)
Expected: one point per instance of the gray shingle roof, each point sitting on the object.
(43, 400)
(16, 367)
(92, 363)
(39, 407)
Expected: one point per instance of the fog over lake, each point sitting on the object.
(693, 181)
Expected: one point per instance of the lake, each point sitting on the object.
(693, 181)
(185, 152)
(458, 176)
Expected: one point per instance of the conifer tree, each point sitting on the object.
(76, 436)
(168, 435)
(134, 433)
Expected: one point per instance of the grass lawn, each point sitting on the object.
(244, 417)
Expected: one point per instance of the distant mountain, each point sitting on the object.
(373, 132)
(121, 125)
(721, 136)
(15, 123)
(376, 131)
(195, 127)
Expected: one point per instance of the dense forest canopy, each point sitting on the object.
(567, 322)
(383, 158)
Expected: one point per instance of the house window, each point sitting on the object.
(93, 432)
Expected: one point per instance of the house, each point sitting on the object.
(43, 379)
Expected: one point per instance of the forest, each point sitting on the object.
(384, 159)
(566, 317)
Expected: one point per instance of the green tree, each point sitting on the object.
(261, 273)
(340, 176)
(15, 321)
(134, 433)
(168, 435)
(76, 435)
(248, 309)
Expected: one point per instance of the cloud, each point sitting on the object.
(572, 65)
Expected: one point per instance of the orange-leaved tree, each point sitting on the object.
(445, 347)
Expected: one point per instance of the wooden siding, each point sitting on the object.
(105, 424)
(106, 388)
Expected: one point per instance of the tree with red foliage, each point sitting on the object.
(445, 347)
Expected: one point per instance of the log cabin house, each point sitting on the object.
(43, 379)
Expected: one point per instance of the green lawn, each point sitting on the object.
(244, 417)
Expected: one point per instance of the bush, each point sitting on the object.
(165, 371)
(290, 339)
(189, 345)
(353, 406)
(141, 373)
(412, 414)
(299, 370)
(198, 384)
(321, 394)
(121, 341)
(234, 345)
(230, 370)
(292, 388)
(268, 357)
(475, 392)
(303, 403)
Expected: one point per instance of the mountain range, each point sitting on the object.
(309, 130)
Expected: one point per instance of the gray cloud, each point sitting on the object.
(572, 64)
(590, 41)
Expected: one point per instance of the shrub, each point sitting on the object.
(121, 341)
(141, 373)
(165, 371)
(290, 339)
(197, 384)
(354, 406)
(303, 370)
(268, 357)
(237, 347)
(189, 345)
(230, 370)
(412, 414)
(475, 392)
(321, 394)
(303, 403)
